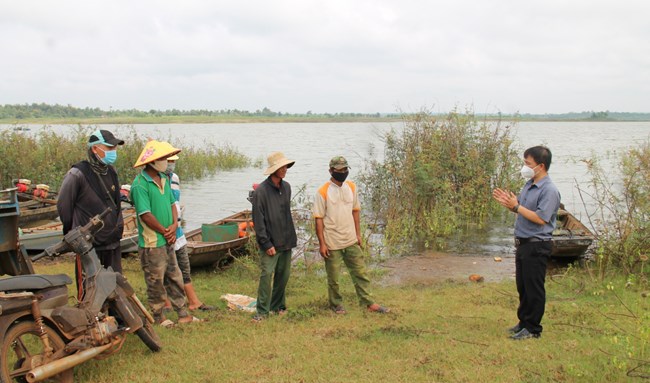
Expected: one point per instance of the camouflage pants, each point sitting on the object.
(164, 280)
(183, 260)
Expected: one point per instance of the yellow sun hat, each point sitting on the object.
(155, 150)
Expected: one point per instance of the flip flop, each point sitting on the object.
(379, 309)
(194, 320)
(167, 323)
(340, 310)
(204, 307)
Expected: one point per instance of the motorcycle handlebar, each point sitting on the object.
(39, 256)
(93, 226)
(104, 213)
(96, 222)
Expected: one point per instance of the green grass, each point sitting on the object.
(443, 332)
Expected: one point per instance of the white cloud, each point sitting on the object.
(294, 56)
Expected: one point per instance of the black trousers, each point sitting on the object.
(531, 259)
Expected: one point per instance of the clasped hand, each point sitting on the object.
(505, 198)
(170, 234)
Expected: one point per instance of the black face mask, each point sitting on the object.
(340, 176)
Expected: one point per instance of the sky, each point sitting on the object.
(294, 56)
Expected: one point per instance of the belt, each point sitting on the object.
(523, 241)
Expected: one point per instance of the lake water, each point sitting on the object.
(311, 145)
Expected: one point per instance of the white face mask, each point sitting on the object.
(160, 165)
(528, 172)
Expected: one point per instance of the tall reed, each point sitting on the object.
(46, 156)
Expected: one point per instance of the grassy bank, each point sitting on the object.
(443, 332)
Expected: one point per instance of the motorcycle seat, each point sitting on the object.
(33, 282)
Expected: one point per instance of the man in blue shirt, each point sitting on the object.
(536, 209)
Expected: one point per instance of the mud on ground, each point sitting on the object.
(435, 267)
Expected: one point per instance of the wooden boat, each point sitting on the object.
(41, 237)
(570, 238)
(34, 209)
(203, 254)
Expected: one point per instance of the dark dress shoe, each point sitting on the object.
(525, 334)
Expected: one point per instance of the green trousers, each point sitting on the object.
(353, 258)
(275, 271)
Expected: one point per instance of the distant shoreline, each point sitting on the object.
(245, 120)
(190, 120)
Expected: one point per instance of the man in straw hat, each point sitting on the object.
(275, 234)
(88, 188)
(336, 211)
(157, 222)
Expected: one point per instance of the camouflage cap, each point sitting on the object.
(339, 162)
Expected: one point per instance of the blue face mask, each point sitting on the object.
(110, 156)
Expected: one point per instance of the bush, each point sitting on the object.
(437, 176)
(621, 218)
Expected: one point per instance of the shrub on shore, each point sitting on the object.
(437, 175)
(46, 156)
(622, 215)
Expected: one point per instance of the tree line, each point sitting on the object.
(56, 111)
(42, 110)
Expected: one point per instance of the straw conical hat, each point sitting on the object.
(155, 150)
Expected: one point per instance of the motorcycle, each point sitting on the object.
(45, 338)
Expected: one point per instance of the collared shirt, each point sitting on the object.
(149, 197)
(543, 198)
(335, 204)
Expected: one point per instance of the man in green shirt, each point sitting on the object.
(157, 222)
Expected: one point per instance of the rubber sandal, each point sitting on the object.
(340, 310)
(378, 309)
(203, 307)
(257, 319)
(167, 323)
(194, 320)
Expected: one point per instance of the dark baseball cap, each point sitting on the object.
(103, 137)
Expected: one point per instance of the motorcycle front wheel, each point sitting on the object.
(22, 350)
(149, 337)
(146, 333)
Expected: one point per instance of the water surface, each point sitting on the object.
(311, 145)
